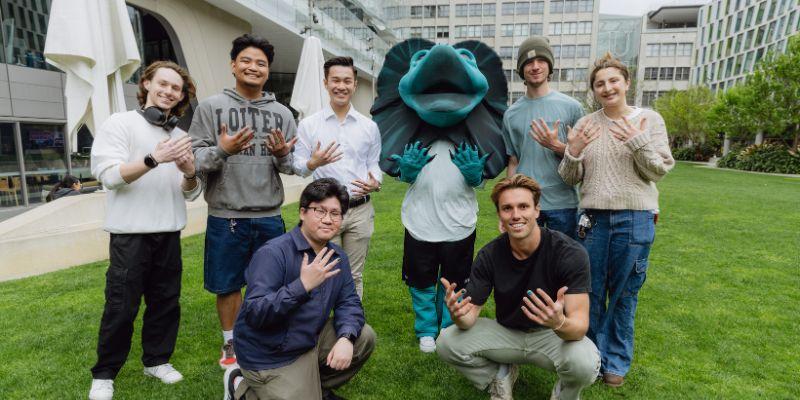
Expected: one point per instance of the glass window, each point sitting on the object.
(585, 28)
(24, 24)
(505, 52)
(523, 8)
(444, 11)
(489, 10)
(682, 74)
(650, 73)
(443, 32)
(10, 181)
(584, 51)
(488, 31)
(507, 8)
(509, 74)
(555, 28)
(461, 10)
(475, 10)
(652, 50)
(416, 12)
(80, 155)
(537, 7)
(428, 32)
(429, 12)
(44, 156)
(586, 6)
(568, 51)
(580, 74)
(556, 6)
(555, 75)
(666, 73)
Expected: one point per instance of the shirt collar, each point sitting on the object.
(327, 112)
(301, 243)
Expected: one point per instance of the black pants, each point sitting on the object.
(146, 264)
(421, 261)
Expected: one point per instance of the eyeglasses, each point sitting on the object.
(320, 213)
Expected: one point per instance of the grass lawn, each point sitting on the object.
(717, 319)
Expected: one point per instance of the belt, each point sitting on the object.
(358, 202)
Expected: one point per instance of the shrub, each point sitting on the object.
(698, 152)
(767, 157)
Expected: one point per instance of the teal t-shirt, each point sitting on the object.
(534, 160)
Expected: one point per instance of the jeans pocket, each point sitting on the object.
(637, 277)
(643, 230)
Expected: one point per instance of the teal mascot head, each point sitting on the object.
(428, 92)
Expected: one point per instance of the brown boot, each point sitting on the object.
(612, 380)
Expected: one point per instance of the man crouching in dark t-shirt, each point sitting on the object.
(541, 282)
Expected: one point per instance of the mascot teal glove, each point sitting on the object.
(469, 163)
(411, 162)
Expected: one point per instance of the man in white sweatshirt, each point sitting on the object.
(148, 167)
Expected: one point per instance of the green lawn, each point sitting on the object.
(717, 319)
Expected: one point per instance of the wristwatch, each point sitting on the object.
(349, 336)
(150, 161)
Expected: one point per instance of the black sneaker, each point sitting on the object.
(228, 380)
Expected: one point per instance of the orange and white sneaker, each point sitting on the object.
(228, 358)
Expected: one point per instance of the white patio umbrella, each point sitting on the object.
(308, 93)
(92, 41)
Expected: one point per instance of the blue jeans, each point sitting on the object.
(618, 244)
(230, 243)
(564, 220)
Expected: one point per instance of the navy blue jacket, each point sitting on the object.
(279, 321)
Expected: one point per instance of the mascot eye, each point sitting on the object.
(467, 55)
(418, 56)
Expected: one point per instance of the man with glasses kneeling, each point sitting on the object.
(286, 345)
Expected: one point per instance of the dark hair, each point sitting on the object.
(67, 181)
(248, 40)
(325, 188)
(341, 61)
(516, 181)
(188, 88)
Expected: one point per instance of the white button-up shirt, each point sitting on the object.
(359, 141)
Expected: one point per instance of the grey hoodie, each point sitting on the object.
(244, 185)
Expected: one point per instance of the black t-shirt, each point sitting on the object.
(558, 261)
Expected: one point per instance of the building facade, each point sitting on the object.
(734, 35)
(570, 25)
(667, 41)
(620, 36)
(196, 34)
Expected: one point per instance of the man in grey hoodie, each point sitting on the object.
(243, 189)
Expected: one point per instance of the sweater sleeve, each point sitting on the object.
(109, 151)
(571, 168)
(208, 156)
(651, 154)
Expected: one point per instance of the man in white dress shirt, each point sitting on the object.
(339, 142)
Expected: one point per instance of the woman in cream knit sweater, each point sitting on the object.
(617, 154)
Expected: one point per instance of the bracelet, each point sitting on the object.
(562, 323)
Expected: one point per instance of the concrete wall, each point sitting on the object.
(69, 232)
(31, 93)
(204, 34)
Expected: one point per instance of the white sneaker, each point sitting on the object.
(229, 382)
(501, 389)
(427, 344)
(165, 372)
(102, 389)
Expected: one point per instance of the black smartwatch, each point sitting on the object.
(150, 161)
(349, 336)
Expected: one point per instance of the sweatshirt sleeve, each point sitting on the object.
(203, 131)
(651, 154)
(302, 149)
(109, 151)
(285, 164)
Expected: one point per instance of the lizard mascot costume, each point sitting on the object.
(440, 111)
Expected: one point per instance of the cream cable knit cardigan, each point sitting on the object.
(617, 175)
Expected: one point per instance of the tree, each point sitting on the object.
(784, 72)
(685, 113)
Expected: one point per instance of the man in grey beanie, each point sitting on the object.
(535, 134)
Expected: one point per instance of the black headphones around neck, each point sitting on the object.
(158, 117)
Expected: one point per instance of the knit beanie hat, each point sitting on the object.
(532, 47)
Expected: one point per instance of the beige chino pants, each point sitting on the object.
(357, 228)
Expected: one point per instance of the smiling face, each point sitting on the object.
(518, 213)
(536, 72)
(341, 84)
(320, 231)
(251, 68)
(610, 87)
(165, 90)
